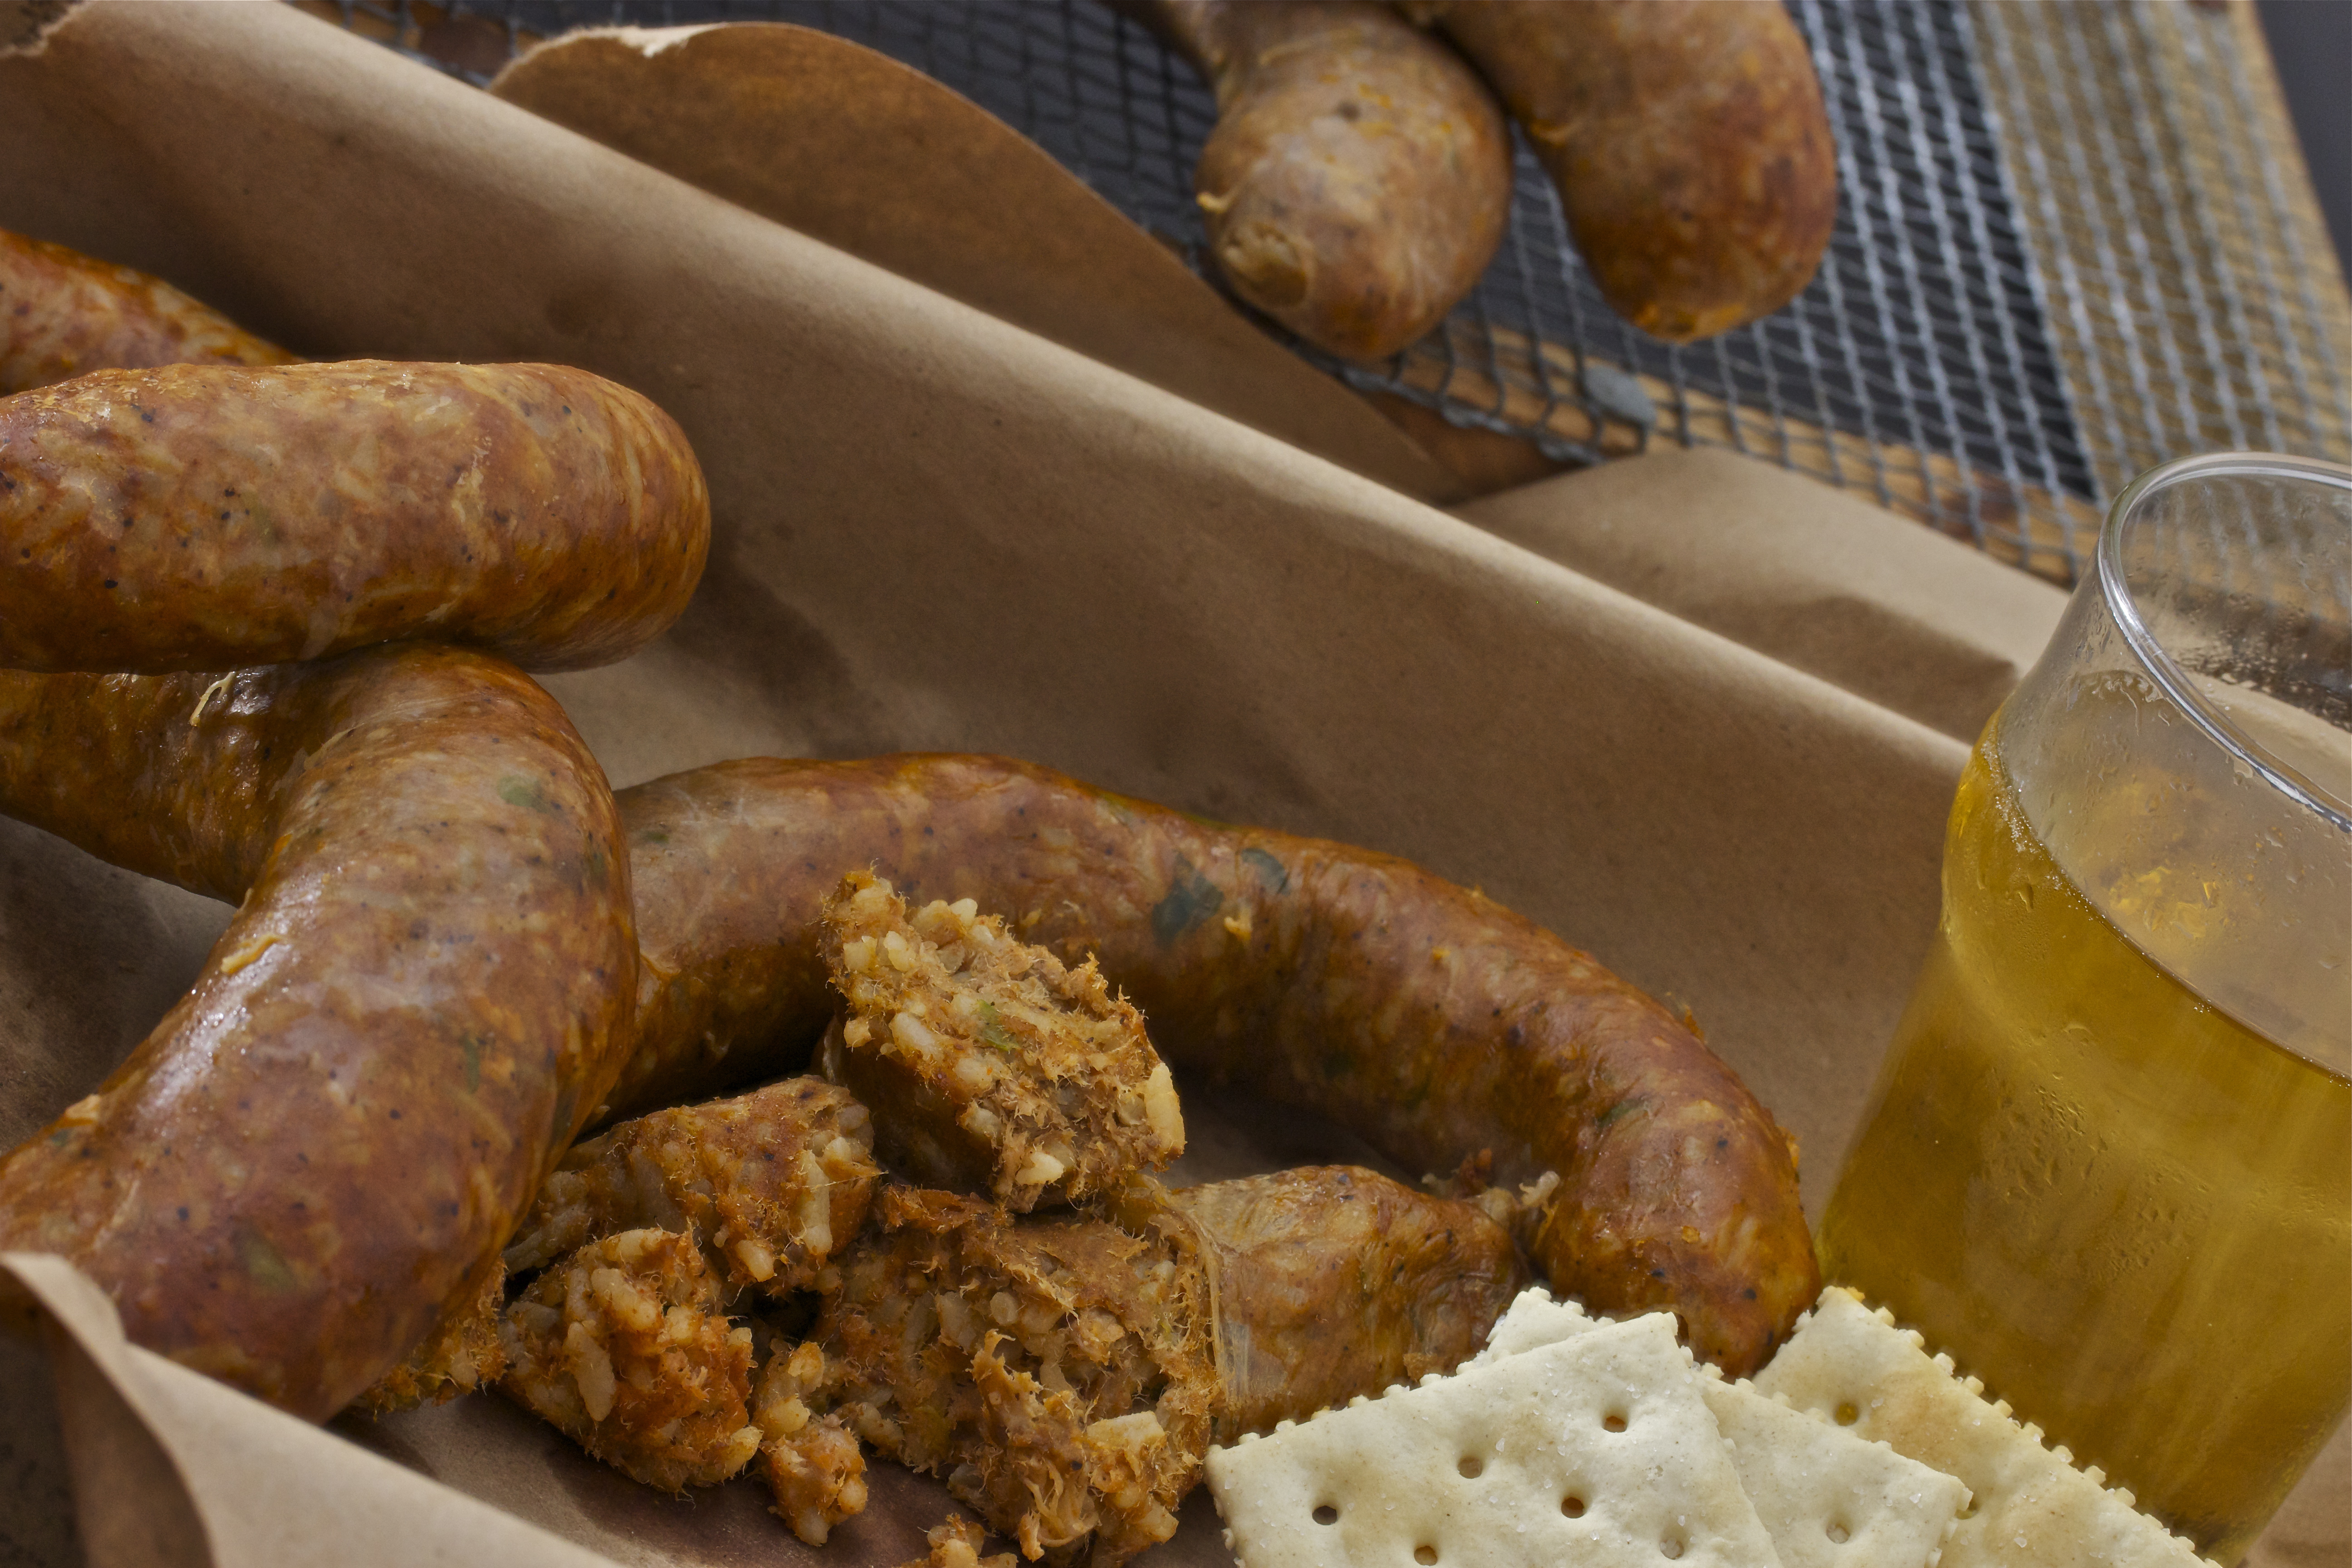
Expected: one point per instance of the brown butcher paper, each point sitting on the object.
(933, 530)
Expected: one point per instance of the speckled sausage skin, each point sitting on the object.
(200, 516)
(425, 992)
(1431, 1020)
(62, 313)
(1333, 1281)
(1687, 138)
(1360, 175)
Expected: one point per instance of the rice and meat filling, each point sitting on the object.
(624, 1346)
(991, 1066)
(762, 1190)
(770, 1183)
(1056, 1372)
(813, 1462)
(461, 1354)
(956, 1544)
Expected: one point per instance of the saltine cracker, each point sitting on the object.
(2033, 1508)
(1827, 1499)
(1597, 1450)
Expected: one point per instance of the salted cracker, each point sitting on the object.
(1533, 1318)
(1827, 1497)
(1597, 1450)
(2032, 1508)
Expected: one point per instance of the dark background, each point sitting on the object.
(2312, 42)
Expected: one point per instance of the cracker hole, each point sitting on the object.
(1671, 1547)
(1614, 1421)
(1424, 1555)
(1847, 1415)
(1838, 1532)
(1470, 1467)
(1572, 1506)
(1326, 1514)
(1970, 1511)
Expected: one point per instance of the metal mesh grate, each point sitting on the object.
(2068, 246)
(2200, 304)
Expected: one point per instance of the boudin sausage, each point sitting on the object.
(1332, 1281)
(1431, 1020)
(63, 313)
(424, 994)
(1360, 175)
(1067, 1373)
(1688, 140)
(425, 991)
(200, 517)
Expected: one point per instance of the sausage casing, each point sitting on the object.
(1333, 1281)
(1358, 178)
(1688, 140)
(424, 994)
(1431, 1020)
(200, 517)
(63, 313)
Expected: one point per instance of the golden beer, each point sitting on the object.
(2095, 1179)
(2107, 1163)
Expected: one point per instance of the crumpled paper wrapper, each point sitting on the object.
(937, 530)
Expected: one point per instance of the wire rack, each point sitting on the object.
(2073, 240)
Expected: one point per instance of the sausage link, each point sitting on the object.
(113, 764)
(1431, 1020)
(424, 994)
(1688, 140)
(197, 517)
(63, 313)
(1358, 178)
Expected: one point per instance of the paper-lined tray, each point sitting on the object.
(938, 530)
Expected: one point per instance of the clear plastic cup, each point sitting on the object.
(2107, 1163)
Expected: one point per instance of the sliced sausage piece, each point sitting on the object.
(200, 517)
(63, 313)
(1066, 1374)
(424, 994)
(1333, 1281)
(1426, 1017)
(1359, 176)
(1688, 140)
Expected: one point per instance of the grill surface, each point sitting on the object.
(2073, 241)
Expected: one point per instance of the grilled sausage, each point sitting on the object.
(1360, 175)
(1431, 1020)
(425, 992)
(197, 517)
(1688, 140)
(63, 313)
